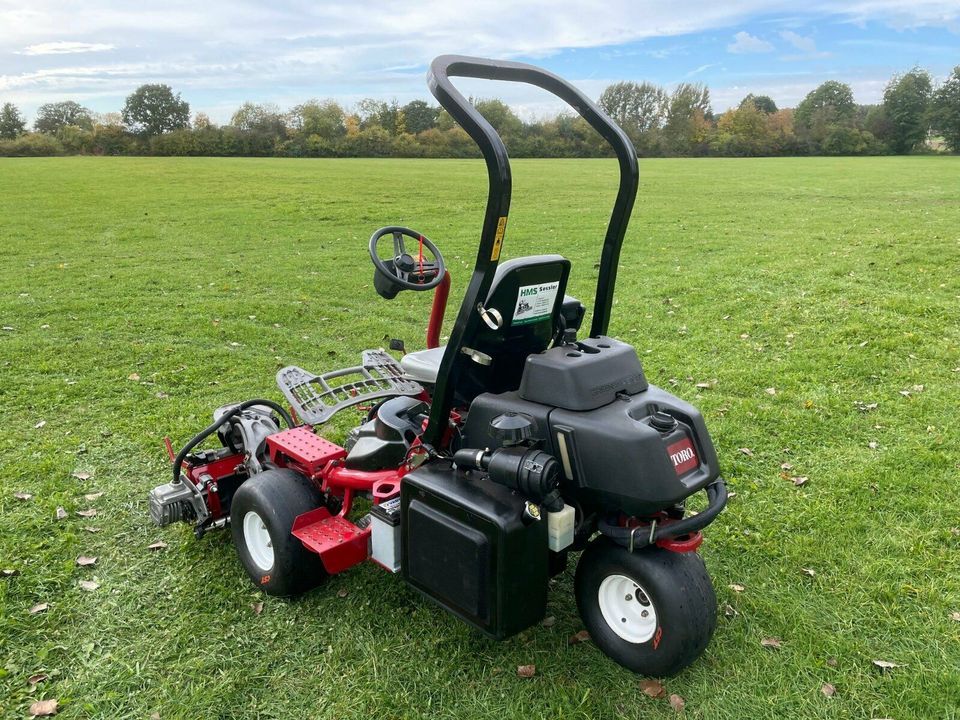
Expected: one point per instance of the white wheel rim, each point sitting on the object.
(627, 608)
(257, 538)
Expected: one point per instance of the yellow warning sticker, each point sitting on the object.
(498, 238)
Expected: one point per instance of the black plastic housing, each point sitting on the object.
(584, 376)
(468, 545)
(612, 458)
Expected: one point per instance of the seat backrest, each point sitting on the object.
(527, 292)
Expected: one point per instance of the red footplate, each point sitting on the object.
(304, 447)
(339, 543)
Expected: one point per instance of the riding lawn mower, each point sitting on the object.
(483, 463)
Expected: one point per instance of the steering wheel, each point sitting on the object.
(405, 270)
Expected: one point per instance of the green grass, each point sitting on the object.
(834, 281)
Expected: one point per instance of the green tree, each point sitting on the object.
(52, 117)
(687, 118)
(419, 116)
(824, 109)
(945, 110)
(322, 118)
(154, 109)
(640, 109)
(263, 119)
(763, 103)
(499, 114)
(12, 123)
(906, 103)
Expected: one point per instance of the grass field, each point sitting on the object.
(137, 295)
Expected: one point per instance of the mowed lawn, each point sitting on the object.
(810, 307)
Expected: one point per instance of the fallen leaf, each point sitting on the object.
(730, 611)
(133, 376)
(526, 671)
(91, 529)
(39, 424)
(917, 388)
(10, 572)
(707, 384)
(342, 593)
(771, 642)
(22, 496)
(746, 451)
(808, 571)
(62, 514)
(865, 407)
(161, 395)
(549, 621)
(652, 688)
(90, 497)
(828, 689)
(89, 513)
(799, 480)
(88, 585)
(905, 393)
(832, 661)
(38, 678)
(43, 708)
(39, 608)
(257, 607)
(677, 702)
(955, 616)
(81, 475)
(886, 664)
(580, 637)
(158, 545)
(737, 587)
(786, 466)
(873, 444)
(771, 391)
(86, 561)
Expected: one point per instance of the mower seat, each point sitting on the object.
(423, 365)
(523, 332)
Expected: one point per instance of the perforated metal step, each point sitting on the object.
(317, 398)
(339, 543)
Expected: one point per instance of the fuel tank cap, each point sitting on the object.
(663, 421)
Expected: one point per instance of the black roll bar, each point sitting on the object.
(498, 202)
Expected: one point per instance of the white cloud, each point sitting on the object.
(744, 42)
(65, 48)
(698, 70)
(806, 44)
(220, 52)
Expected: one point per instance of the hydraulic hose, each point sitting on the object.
(717, 497)
(208, 431)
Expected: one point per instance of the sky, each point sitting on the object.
(218, 54)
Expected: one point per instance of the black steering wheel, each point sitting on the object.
(420, 268)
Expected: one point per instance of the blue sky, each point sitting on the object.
(219, 54)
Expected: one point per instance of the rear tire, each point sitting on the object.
(261, 517)
(652, 611)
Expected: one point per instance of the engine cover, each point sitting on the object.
(614, 457)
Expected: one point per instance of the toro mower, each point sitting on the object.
(484, 463)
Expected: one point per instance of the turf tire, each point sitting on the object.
(278, 497)
(679, 587)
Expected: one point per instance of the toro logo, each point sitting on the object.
(683, 456)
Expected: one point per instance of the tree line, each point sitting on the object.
(915, 115)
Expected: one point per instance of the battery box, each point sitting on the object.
(470, 546)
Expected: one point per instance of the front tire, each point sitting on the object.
(261, 517)
(652, 611)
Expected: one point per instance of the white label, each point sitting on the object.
(535, 302)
